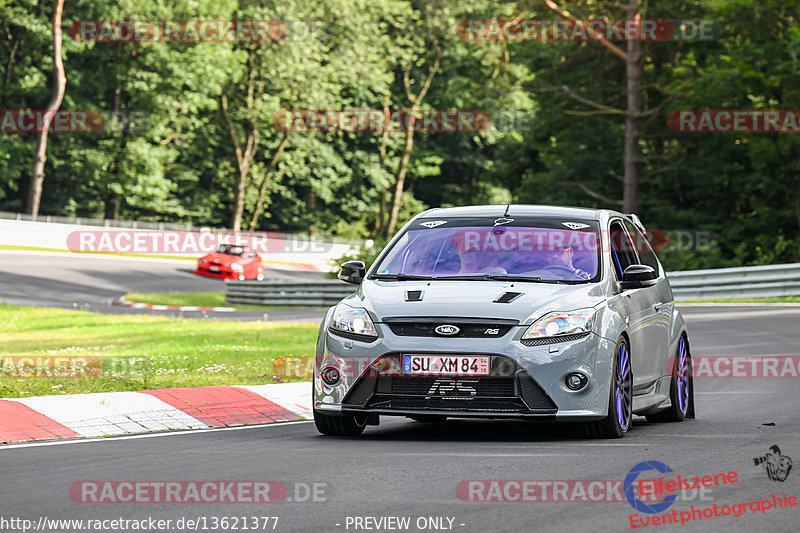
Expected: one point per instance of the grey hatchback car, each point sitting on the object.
(506, 311)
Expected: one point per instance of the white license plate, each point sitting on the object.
(446, 365)
(213, 269)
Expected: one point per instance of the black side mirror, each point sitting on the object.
(638, 276)
(353, 272)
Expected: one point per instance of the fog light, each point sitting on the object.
(330, 375)
(576, 381)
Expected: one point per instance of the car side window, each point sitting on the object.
(623, 253)
(646, 254)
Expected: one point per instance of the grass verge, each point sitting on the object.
(203, 299)
(53, 351)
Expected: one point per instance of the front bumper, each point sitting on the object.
(532, 385)
(223, 272)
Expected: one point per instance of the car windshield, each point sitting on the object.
(229, 249)
(546, 250)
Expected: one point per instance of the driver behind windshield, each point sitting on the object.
(560, 256)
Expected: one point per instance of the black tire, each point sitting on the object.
(610, 427)
(432, 419)
(340, 426)
(676, 413)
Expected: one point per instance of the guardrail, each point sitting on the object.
(745, 282)
(319, 252)
(287, 293)
(687, 285)
(163, 226)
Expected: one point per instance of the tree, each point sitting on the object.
(633, 74)
(37, 176)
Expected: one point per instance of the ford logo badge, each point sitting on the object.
(447, 329)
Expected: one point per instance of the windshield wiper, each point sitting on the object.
(505, 277)
(400, 277)
(469, 277)
(492, 277)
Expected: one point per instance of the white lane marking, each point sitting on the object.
(84, 255)
(741, 315)
(111, 413)
(739, 304)
(709, 435)
(738, 392)
(288, 266)
(484, 455)
(596, 444)
(147, 435)
(294, 397)
(159, 307)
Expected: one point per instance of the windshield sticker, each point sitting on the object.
(433, 223)
(575, 225)
(503, 220)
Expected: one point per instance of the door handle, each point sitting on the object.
(658, 306)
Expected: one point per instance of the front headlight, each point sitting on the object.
(352, 320)
(557, 324)
(202, 262)
(236, 267)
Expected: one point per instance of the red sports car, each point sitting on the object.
(231, 262)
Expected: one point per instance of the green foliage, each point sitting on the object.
(545, 143)
(139, 352)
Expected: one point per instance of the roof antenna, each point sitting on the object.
(507, 208)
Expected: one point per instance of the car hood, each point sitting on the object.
(222, 259)
(473, 299)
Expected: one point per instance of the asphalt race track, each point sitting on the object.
(410, 469)
(92, 282)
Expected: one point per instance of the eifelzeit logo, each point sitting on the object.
(448, 386)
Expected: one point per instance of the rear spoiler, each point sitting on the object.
(636, 222)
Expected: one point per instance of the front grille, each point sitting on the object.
(507, 389)
(410, 386)
(554, 340)
(485, 330)
(361, 392)
(532, 394)
(421, 404)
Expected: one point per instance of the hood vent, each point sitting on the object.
(507, 297)
(414, 296)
